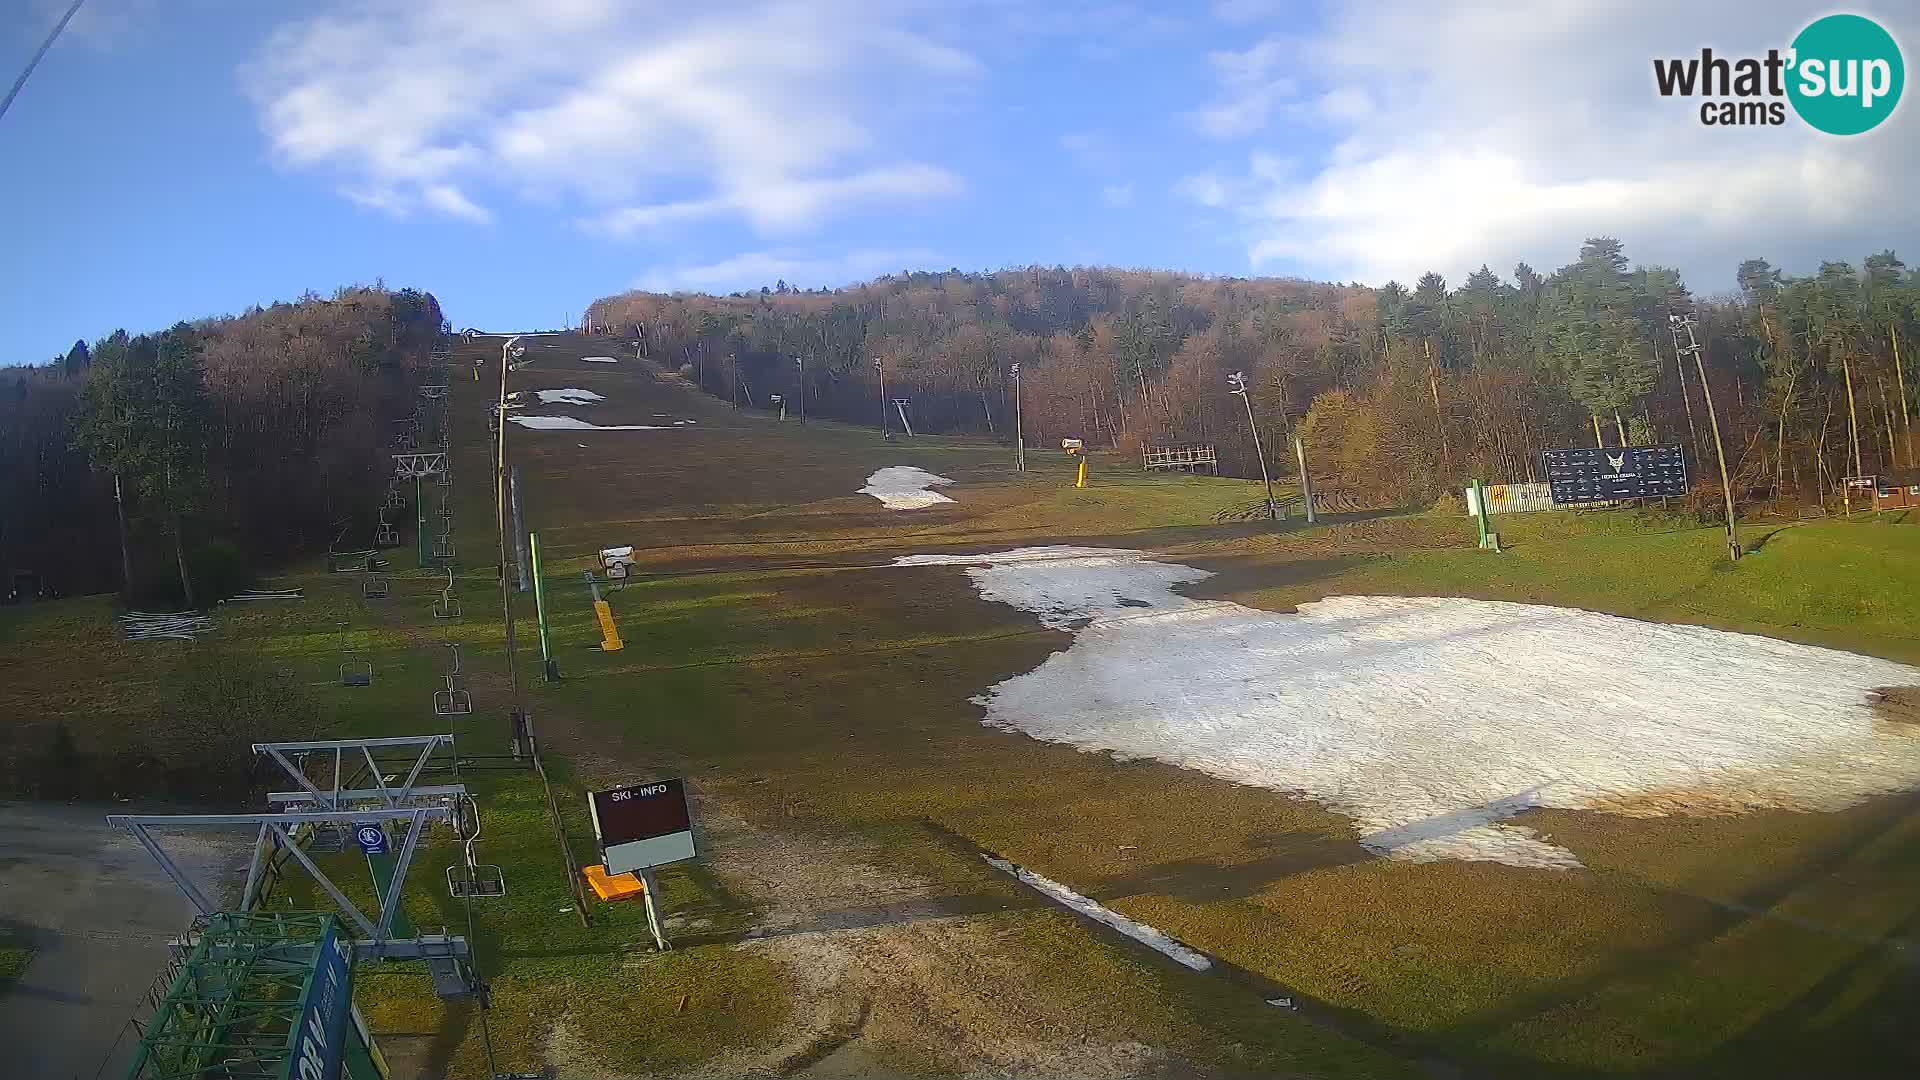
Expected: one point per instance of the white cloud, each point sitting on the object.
(753, 269)
(775, 112)
(1206, 188)
(450, 201)
(1494, 133)
(1251, 88)
(787, 203)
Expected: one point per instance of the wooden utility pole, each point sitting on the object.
(1686, 399)
(126, 549)
(1853, 418)
(1238, 381)
(1019, 430)
(1713, 418)
(1900, 383)
(1306, 480)
(880, 367)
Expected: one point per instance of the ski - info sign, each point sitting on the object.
(643, 825)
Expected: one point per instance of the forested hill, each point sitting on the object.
(238, 442)
(1401, 393)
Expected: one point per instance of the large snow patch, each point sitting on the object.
(569, 396)
(569, 423)
(904, 487)
(1431, 719)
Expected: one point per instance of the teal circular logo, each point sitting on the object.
(1846, 76)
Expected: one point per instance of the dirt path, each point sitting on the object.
(891, 980)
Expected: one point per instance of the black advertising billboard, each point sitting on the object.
(1591, 474)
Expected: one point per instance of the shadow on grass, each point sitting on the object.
(1724, 918)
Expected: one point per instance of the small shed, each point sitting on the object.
(1897, 489)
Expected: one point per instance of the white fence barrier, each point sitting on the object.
(1513, 499)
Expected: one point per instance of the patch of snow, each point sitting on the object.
(600, 359)
(1431, 720)
(568, 396)
(904, 487)
(568, 423)
(1092, 909)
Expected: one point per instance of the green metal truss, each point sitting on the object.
(232, 1003)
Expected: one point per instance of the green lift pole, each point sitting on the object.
(547, 663)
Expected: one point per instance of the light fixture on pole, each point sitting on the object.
(1238, 382)
(1019, 434)
(801, 363)
(881, 368)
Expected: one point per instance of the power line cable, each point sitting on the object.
(35, 62)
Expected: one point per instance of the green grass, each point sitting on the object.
(817, 697)
(1846, 584)
(15, 955)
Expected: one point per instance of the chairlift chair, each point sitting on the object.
(444, 477)
(451, 701)
(487, 881)
(356, 673)
(470, 878)
(448, 606)
(327, 840)
(374, 587)
(443, 548)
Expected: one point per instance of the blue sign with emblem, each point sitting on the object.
(373, 839)
(320, 1032)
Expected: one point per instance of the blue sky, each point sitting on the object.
(177, 158)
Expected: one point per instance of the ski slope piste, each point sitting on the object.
(1431, 720)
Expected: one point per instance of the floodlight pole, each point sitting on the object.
(1238, 380)
(1713, 419)
(801, 363)
(1019, 434)
(500, 518)
(881, 367)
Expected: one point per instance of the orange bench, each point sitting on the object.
(611, 887)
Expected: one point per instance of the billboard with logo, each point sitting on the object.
(1595, 474)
